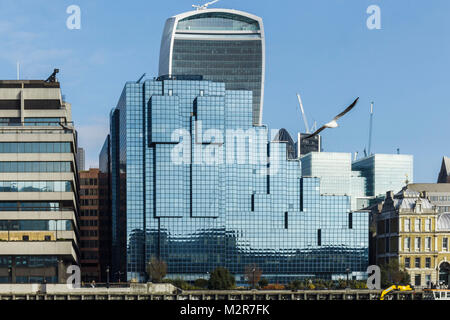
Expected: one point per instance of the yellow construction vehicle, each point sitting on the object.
(394, 287)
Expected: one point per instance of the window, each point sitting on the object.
(386, 244)
(286, 224)
(386, 226)
(428, 225)
(417, 225)
(418, 207)
(417, 280)
(407, 262)
(417, 244)
(407, 223)
(350, 220)
(407, 244)
(427, 262)
(428, 279)
(428, 243)
(445, 244)
(417, 263)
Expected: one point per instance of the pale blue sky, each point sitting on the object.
(321, 49)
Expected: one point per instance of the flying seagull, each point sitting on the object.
(333, 123)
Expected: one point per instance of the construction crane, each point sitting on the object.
(394, 287)
(303, 113)
(204, 6)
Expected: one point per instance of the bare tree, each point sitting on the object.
(156, 269)
(253, 274)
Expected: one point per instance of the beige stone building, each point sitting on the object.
(409, 227)
(38, 183)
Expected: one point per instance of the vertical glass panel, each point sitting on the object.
(57, 147)
(28, 147)
(56, 166)
(35, 147)
(14, 147)
(28, 166)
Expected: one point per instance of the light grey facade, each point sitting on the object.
(38, 183)
(222, 45)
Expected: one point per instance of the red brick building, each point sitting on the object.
(95, 229)
(89, 225)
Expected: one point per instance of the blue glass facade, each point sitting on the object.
(385, 172)
(196, 184)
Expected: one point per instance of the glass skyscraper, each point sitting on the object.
(385, 172)
(221, 45)
(196, 184)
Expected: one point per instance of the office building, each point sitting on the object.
(80, 158)
(313, 144)
(191, 183)
(411, 230)
(222, 45)
(38, 183)
(444, 174)
(385, 172)
(337, 177)
(89, 225)
(105, 213)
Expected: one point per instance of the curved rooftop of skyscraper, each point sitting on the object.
(222, 45)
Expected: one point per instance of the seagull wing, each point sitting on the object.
(350, 107)
(315, 133)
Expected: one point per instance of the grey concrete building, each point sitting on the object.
(38, 183)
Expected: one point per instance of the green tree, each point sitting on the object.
(221, 279)
(392, 273)
(156, 269)
(201, 283)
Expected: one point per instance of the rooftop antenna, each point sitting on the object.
(204, 6)
(303, 113)
(18, 70)
(370, 128)
(314, 127)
